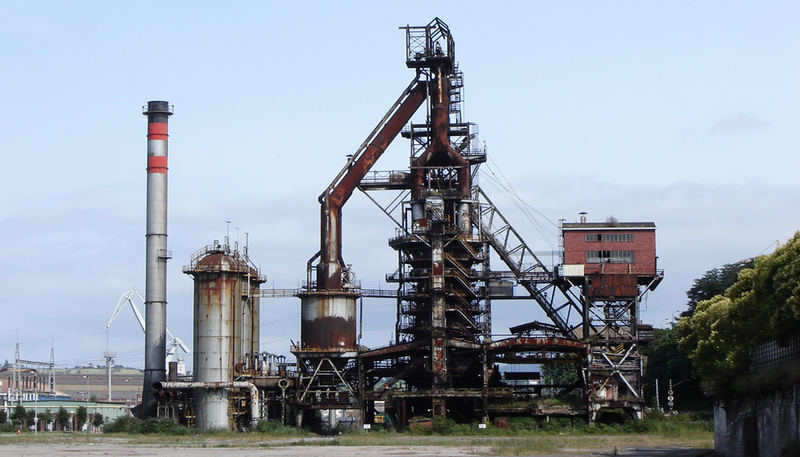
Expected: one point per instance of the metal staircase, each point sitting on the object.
(542, 284)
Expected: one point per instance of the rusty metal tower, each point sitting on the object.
(443, 360)
(442, 305)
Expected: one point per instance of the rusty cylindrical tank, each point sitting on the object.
(328, 320)
(223, 307)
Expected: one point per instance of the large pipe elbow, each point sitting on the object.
(255, 405)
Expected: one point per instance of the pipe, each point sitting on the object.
(255, 406)
(155, 341)
(329, 276)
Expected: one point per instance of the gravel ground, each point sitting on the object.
(115, 449)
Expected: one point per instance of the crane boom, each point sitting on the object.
(127, 298)
(124, 299)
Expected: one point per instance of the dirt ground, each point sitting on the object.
(114, 450)
(248, 445)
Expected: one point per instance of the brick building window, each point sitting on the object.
(609, 237)
(609, 257)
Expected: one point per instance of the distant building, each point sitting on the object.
(627, 248)
(33, 385)
(110, 412)
(84, 382)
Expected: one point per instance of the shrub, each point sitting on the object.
(276, 428)
(125, 424)
(8, 427)
(138, 426)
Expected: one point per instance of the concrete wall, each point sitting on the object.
(759, 426)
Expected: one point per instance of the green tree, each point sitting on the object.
(93, 398)
(559, 373)
(666, 361)
(45, 417)
(62, 417)
(710, 338)
(714, 282)
(30, 415)
(80, 416)
(3, 416)
(97, 420)
(763, 304)
(18, 415)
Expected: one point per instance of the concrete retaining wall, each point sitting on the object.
(758, 426)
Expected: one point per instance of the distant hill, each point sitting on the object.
(96, 369)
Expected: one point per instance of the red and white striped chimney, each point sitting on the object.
(155, 341)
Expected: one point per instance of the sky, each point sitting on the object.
(682, 113)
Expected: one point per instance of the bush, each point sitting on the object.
(276, 428)
(138, 426)
(125, 424)
(8, 427)
(165, 427)
(442, 425)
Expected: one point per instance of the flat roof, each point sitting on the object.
(608, 226)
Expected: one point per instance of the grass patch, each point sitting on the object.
(524, 436)
(275, 428)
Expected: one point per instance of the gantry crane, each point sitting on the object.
(174, 342)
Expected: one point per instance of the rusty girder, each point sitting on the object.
(335, 196)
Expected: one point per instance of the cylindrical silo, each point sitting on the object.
(248, 326)
(328, 320)
(223, 306)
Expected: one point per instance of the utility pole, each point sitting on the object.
(51, 381)
(658, 402)
(110, 358)
(17, 372)
(670, 398)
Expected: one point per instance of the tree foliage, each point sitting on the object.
(62, 416)
(18, 415)
(665, 362)
(3, 416)
(763, 305)
(559, 373)
(81, 415)
(714, 282)
(97, 420)
(46, 417)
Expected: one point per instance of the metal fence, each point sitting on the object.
(771, 354)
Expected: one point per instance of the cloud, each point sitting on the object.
(738, 123)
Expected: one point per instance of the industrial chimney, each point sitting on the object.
(155, 345)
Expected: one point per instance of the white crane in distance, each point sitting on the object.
(174, 342)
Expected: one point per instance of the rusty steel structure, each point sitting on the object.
(456, 255)
(616, 267)
(444, 360)
(226, 326)
(234, 385)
